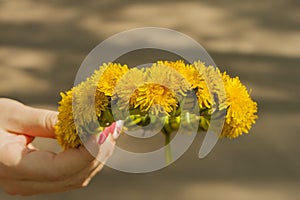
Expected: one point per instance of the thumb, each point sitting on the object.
(21, 119)
(39, 122)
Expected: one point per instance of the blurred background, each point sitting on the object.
(42, 44)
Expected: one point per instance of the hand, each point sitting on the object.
(25, 170)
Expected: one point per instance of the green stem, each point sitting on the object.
(168, 152)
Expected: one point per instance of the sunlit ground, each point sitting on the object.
(44, 42)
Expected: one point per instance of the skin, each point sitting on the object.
(26, 170)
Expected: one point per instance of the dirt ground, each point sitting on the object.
(42, 44)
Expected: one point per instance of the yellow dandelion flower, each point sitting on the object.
(189, 72)
(88, 102)
(108, 76)
(158, 97)
(202, 92)
(203, 79)
(65, 128)
(161, 90)
(126, 86)
(101, 102)
(161, 74)
(82, 105)
(210, 88)
(241, 111)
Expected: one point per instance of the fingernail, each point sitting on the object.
(116, 134)
(117, 129)
(102, 138)
(106, 131)
(112, 127)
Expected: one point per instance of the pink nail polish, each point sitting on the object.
(105, 133)
(113, 126)
(102, 138)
